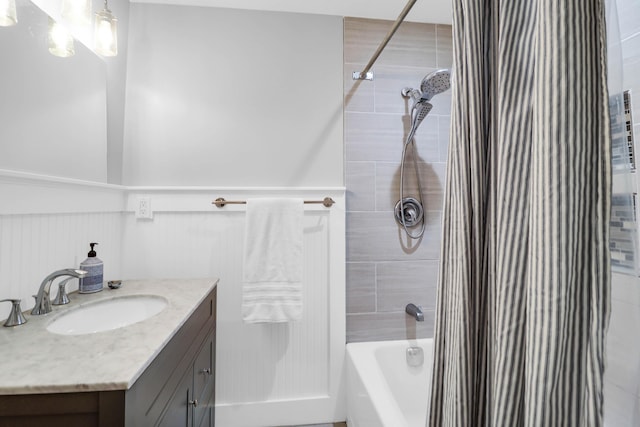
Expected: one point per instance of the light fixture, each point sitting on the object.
(8, 15)
(106, 32)
(60, 40)
(76, 12)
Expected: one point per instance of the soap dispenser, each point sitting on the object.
(92, 282)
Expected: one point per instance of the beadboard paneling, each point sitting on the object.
(34, 245)
(256, 362)
(267, 374)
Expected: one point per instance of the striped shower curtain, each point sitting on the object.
(523, 303)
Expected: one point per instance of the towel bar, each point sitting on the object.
(327, 202)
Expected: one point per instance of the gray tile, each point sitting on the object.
(444, 46)
(400, 283)
(361, 287)
(444, 126)
(426, 138)
(388, 326)
(413, 45)
(389, 82)
(432, 176)
(376, 237)
(373, 137)
(359, 95)
(441, 104)
(380, 137)
(361, 186)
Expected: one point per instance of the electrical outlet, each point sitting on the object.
(143, 208)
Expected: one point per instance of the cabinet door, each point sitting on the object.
(207, 420)
(178, 411)
(203, 369)
(203, 380)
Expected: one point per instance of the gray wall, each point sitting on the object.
(385, 270)
(233, 98)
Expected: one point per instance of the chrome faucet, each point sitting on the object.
(62, 298)
(43, 301)
(15, 317)
(415, 311)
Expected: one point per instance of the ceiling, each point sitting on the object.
(431, 11)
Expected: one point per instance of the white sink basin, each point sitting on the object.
(107, 315)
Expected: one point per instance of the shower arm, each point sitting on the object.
(364, 74)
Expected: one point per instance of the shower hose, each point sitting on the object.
(403, 213)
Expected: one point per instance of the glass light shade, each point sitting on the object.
(106, 33)
(8, 15)
(76, 12)
(60, 41)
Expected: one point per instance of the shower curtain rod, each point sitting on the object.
(365, 74)
(327, 202)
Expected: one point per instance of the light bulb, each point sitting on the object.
(106, 33)
(60, 41)
(8, 15)
(103, 32)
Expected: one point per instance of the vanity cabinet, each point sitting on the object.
(176, 389)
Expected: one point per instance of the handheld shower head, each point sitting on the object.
(418, 113)
(435, 83)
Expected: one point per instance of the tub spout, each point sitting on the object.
(415, 311)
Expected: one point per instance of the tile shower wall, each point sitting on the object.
(385, 269)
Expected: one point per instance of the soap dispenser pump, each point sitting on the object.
(93, 265)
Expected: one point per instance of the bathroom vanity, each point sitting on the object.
(159, 371)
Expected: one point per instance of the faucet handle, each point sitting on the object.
(15, 317)
(62, 297)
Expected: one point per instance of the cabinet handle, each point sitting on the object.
(193, 402)
(206, 371)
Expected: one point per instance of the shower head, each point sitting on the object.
(435, 83)
(418, 113)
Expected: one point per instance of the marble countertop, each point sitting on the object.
(35, 360)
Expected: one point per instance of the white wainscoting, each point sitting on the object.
(46, 224)
(266, 375)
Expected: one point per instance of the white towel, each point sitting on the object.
(272, 269)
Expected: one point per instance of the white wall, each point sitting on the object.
(214, 98)
(266, 374)
(46, 224)
(233, 98)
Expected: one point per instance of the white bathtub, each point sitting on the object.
(382, 389)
